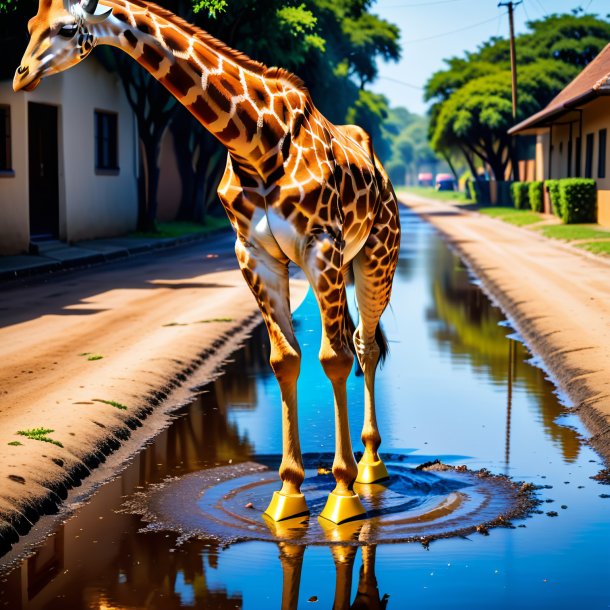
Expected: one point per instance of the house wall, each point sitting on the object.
(90, 204)
(595, 116)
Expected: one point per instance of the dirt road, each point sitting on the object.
(557, 297)
(87, 356)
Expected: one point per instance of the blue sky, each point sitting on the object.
(437, 29)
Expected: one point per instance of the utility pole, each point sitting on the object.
(513, 57)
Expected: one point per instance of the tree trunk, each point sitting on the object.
(147, 209)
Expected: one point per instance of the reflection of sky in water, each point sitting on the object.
(443, 393)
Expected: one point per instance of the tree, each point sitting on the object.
(472, 109)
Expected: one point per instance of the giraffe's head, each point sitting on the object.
(60, 36)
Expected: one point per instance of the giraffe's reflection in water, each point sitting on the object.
(367, 596)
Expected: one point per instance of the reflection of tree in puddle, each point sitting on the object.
(468, 325)
(147, 575)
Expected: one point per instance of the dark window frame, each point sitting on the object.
(602, 140)
(6, 142)
(106, 142)
(590, 146)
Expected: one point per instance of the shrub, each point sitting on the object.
(536, 195)
(552, 187)
(578, 200)
(519, 192)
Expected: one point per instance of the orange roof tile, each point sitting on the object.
(592, 82)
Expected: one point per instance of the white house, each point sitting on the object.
(68, 159)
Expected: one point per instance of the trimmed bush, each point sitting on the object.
(552, 187)
(536, 195)
(578, 200)
(519, 192)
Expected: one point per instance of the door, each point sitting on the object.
(43, 171)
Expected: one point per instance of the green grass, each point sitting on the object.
(112, 403)
(519, 218)
(199, 322)
(15, 444)
(601, 247)
(180, 229)
(431, 193)
(91, 356)
(572, 232)
(39, 434)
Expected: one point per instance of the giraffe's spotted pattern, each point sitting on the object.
(296, 188)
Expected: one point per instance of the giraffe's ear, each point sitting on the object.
(91, 12)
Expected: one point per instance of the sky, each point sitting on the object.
(437, 29)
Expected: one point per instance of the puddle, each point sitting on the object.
(457, 387)
(417, 504)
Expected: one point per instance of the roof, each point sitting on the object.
(592, 82)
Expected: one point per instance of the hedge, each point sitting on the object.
(552, 186)
(519, 192)
(536, 195)
(578, 200)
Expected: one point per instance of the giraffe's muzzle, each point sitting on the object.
(23, 80)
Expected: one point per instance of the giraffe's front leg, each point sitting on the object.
(269, 282)
(323, 266)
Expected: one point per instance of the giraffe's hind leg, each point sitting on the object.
(374, 268)
(269, 282)
(324, 262)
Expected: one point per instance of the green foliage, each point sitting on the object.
(406, 147)
(212, 7)
(552, 186)
(520, 195)
(472, 107)
(8, 6)
(15, 444)
(39, 434)
(578, 198)
(536, 195)
(112, 403)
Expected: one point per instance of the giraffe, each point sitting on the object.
(296, 188)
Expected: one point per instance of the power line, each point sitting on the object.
(469, 27)
(544, 11)
(401, 82)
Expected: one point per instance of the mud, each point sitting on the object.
(225, 505)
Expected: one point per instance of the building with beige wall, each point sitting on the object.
(68, 159)
(572, 132)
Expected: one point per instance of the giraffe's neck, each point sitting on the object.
(252, 110)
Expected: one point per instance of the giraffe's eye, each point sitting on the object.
(68, 31)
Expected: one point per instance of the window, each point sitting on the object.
(570, 150)
(589, 156)
(601, 158)
(5, 139)
(106, 141)
(578, 162)
(526, 148)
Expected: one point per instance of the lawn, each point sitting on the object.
(427, 191)
(601, 247)
(520, 218)
(180, 229)
(572, 232)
